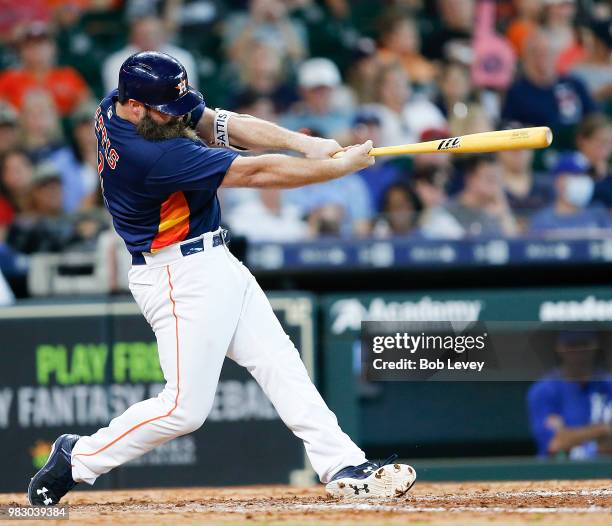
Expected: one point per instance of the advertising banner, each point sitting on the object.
(445, 418)
(71, 368)
(416, 254)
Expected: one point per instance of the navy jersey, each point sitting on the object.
(564, 103)
(575, 403)
(158, 192)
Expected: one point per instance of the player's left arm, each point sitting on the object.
(250, 133)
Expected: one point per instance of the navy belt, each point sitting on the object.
(190, 247)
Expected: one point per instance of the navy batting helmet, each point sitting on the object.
(158, 81)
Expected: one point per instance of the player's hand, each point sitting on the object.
(318, 148)
(356, 157)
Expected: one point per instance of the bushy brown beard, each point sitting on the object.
(155, 131)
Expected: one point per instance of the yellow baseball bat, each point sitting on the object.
(494, 141)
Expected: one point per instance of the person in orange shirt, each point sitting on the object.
(400, 42)
(38, 71)
(526, 21)
(559, 23)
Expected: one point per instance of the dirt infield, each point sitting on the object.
(472, 503)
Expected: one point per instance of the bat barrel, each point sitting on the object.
(495, 141)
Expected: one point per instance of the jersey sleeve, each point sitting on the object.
(190, 166)
(542, 403)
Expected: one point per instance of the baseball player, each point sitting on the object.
(160, 183)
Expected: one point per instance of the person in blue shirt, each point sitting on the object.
(318, 79)
(541, 98)
(378, 178)
(572, 211)
(338, 207)
(570, 409)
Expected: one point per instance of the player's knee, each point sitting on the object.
(192, 423)
(192, 417)
(187, 422)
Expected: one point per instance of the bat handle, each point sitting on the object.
(339, 154)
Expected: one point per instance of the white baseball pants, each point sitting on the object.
(202, 308)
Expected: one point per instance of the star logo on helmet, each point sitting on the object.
(182, 87)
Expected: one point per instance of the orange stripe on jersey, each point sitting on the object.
(173, 221)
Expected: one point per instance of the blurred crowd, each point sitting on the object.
(391, 71)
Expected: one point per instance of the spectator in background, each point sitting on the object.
(318, 80)
(87, 225)
(558, 25)
(38, 71)
(190, 18)
(455, 89)
(44, 228)
(262, 72)
(340, 207)
(524, 23)
(381, 175)
(363, 73)
(429, 183)
(16, 15)
(255, 104)
(268, 218)
(84, 157)
(400, 212)
(403, 116)
(570, 409)
(268, 21)
(43, 140)
(594, 141)
(540, 97)
(40, 128)
(475, 120)
(399, 41)
(526, 193)
(439, 159)
(146, 34)
(481, 208)
(595, 68)
(571, 212)
(9, 128)
(16, 174)
(452, 39)
(46, 193)
(78, 36)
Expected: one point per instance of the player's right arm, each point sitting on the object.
(251, 133)
(283, 171)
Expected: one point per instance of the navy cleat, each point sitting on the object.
(372, 480)
(54, 479)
